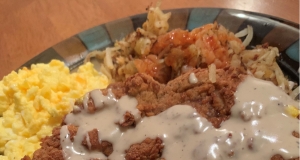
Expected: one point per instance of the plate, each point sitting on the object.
(267, 29)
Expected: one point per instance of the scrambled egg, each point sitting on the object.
(292, 110)
(34, 101)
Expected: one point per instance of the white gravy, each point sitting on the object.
(192, 78)
(264, 130)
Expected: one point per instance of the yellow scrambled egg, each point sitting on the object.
(34, 101)
(292, 110)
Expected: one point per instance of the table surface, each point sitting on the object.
(28, 27)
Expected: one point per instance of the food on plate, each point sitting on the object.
(165, 54)
(34, 101)
(182, 95)
(175, 94)
(141, 118)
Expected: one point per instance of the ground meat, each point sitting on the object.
(211, 100)
(128, 120)
(72, 130)
(117, 88)
(105, 147)
(50, 147)
(295, 134)
(90, 106)
(279, 157)
(94, 140)
(149, 149)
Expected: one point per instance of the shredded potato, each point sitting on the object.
(212, 73)
(157, 21)
(143, 46)
(117, 61)
(261, 62)
(164, 55)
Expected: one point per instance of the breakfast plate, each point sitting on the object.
(267, 29)
(205, 48)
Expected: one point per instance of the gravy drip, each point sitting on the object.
(192, 78)
(257, 129)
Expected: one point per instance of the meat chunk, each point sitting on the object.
(117, 88)
(212, 100)
(50, 147)
(93, 139)
(149, 149)
(128, 120)
(105, 147)
(295, 134)
(72, 130)
(279, 157)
